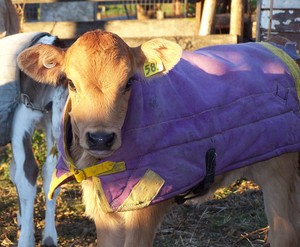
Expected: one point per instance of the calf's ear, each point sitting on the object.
(42, 63)
(156, 57)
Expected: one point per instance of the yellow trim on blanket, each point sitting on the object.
(292, 65)
(141, 195)
(65, 129)
(103, 201)
(143, 192)
(56, 182)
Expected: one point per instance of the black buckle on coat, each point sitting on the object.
(203, 187)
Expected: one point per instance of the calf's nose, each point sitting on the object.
(100, 140)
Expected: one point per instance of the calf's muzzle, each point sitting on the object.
(100, 140)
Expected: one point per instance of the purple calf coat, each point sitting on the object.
(240, 100)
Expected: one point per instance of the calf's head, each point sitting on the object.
(98, 68)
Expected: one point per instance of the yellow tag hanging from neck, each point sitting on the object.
(153, 67)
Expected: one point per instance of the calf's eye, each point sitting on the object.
(71, 85)
(128, 85)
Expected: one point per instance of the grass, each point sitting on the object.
(228, 219)
(233, 217)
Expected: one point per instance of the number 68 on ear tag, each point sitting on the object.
(153, 67)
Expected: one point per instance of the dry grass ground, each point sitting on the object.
(233, 217)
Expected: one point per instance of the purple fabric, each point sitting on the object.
(238, 99)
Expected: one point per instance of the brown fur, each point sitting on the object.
(98, 67)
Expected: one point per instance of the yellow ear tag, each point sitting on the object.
(153, 67)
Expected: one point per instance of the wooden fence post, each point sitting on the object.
(177, 8)
(208, 16)
(237, 19)
(198, 10)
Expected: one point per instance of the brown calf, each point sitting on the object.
(99, 66)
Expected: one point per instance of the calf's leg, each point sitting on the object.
(110, 232)
(24, 170)
(52, 126)
(140, 225)
(49, 233)
(131, 228)
(280, 183)
(124, 229)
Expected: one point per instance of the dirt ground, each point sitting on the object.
(233, 217)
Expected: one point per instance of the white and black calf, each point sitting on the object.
(39, 106)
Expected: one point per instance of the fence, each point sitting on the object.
(93, 10)
(279, 18)
(70, 19)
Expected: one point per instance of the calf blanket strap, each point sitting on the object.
(203, 187)
(219, 109)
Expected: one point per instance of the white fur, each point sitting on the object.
(30, 119)
(26, 191)
(26, 121)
